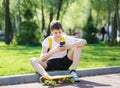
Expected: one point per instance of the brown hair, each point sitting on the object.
(55, 25)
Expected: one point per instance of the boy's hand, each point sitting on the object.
(60, 48)
(63, 48)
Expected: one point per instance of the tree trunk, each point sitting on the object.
(19, 15)
(59, 9)
(8, 28)
(117, 17)
(65, 9)
(116, 26)
(109, 13)
(51, 17)
(114, 31)
(43, 19)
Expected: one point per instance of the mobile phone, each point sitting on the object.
(62, 43)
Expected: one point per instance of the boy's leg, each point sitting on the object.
(74, 55)
(39, 66)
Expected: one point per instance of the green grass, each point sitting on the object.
(15, 59)
(99, 55)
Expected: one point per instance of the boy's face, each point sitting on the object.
(57, 33)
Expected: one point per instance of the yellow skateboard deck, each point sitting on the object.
(54, 80)
(57, 77)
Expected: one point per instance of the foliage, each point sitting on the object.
(28, 14)
(2, 14)
(101, 10)
(75, 15)
(89, 31)
(28, 34)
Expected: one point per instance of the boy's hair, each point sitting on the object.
(55, 25)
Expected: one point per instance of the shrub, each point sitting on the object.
(28, 34)
(89, 31)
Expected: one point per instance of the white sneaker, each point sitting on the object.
(75, 76)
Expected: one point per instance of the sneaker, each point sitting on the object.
(75, 76)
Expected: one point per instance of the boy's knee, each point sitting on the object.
(77, 47)
(34, 60)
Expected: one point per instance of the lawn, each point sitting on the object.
(15, 59)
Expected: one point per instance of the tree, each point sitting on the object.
(59, 8)
(43, 19)
(29, 34)
(55, 7)
(89, 31)
(2, 13)
(18, 15)
(116, 26)
(109, 15)
(101, 9)
(8, 27)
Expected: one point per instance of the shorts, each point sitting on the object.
(58, 64)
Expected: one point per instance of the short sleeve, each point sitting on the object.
(69, 39)
(45, 43)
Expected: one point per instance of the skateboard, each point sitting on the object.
(54, 80)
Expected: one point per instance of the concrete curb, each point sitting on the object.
(34, 77)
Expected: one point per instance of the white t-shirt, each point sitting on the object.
(68, 39)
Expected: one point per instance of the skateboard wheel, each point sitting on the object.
(46, 82)
(41, 79)
(53, 83)
(72, 80)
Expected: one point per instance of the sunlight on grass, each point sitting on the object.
(15, 59)
(99, 56)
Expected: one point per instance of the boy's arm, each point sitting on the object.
(77, 43)
(45, 54)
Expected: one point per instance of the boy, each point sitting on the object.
(57, 57)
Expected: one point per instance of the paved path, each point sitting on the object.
(101, 81)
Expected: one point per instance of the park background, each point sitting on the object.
(25, 23)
